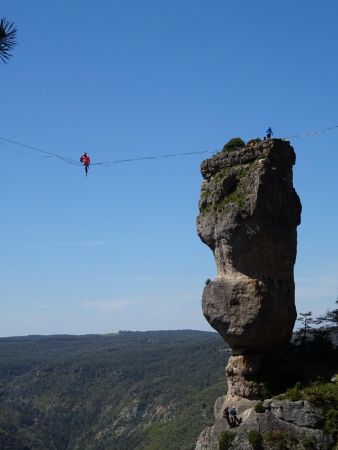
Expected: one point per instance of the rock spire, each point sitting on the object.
(249, 212)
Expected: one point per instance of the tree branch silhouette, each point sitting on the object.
(8, 34)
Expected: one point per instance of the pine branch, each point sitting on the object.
(8, 34)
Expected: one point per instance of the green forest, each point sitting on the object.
(140, 390)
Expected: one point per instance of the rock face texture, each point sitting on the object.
(249, 212)
(297, 423)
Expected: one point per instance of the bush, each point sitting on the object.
(308, 443)
(294, 394)
(255, 439)
(226, 439)
(279, 440)
(331, 423)
(233, 144)
(321, 394)
(264, 391)
(259, 408)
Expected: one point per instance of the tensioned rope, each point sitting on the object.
(170, 155)
(310, 133)
(50, 154)
(102, 163)
(22, 152)
(47, 154)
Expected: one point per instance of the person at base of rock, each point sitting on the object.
(85, 160)
(226, 416)
(235, 421)
(269, 133)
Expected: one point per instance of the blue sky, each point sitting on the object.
(122, 79)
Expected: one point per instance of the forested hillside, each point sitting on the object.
(131, 390)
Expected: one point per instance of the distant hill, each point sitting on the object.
(132, 390)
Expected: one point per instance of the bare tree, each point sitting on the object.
(8, 41)
(307, 321)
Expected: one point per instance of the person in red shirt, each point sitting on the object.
(85, 161)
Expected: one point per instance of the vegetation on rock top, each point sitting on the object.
(233, 144)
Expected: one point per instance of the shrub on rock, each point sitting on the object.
(256, 439)
(226, 439)
(233, 144)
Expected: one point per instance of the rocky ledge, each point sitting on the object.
(281, 424)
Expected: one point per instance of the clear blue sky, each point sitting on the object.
(123, 79)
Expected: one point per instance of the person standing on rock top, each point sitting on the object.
(269, 133)
(85, 160)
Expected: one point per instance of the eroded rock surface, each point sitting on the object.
(249, 212)
(298, 423)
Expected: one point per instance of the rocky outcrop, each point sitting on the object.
(249, 212)
(295, 425)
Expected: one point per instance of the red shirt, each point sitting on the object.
(85, 160)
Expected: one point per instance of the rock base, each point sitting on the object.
(297, 423)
